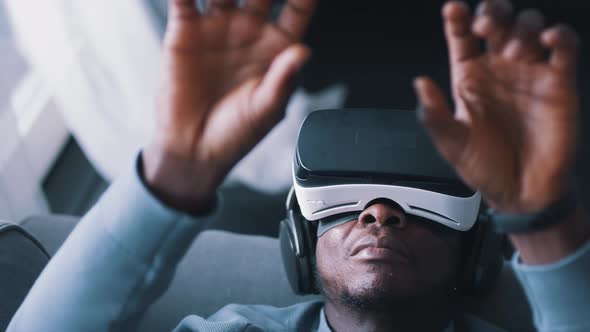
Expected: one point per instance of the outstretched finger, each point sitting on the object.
(216, 5)
(564, 44)
(493, 23)
(277, 85)
(449, 135)
(462, 42)
(182, 9)
(524, 44)
(260, 8)
(296, 16)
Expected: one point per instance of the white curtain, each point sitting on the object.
(20, 189)
(31, 132)
(103, 59)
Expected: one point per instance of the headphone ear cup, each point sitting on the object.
(310, 238)
(484, 262)
(297, 254)
(490, 261)
(289, 255)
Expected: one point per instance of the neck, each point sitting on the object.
(427, 316)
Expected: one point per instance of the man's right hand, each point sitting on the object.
(228, 74)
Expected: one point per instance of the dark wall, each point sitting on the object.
(378, 47)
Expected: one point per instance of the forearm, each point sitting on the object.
(554, 268)
(112, 267)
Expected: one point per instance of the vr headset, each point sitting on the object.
(346, 159)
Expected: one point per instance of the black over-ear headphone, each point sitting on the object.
(482, 261)
(297, 237)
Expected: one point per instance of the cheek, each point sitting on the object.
(332, 259)
(329, 257)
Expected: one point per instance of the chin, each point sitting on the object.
(375, 297)
(374, 290)
(388, 282)
(396, 279)
(382, 288)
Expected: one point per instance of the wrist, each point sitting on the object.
(555, 242)
(178, 182)
(523, 222)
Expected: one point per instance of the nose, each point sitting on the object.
(383, 214)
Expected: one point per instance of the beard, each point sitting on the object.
(386, 296)
(374, 299)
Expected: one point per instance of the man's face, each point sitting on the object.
(386, 258)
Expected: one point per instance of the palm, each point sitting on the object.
(513, 134)
(219, 68)
(520, 118)
(219, 53)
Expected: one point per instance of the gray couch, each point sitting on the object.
(21, 259)
(223, 268)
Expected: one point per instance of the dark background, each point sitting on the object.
(379, 47)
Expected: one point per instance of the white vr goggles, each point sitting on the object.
(346, 159)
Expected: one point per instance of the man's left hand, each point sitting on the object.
(513, 135)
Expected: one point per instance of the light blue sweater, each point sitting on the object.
(123, 254)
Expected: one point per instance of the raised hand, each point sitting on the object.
(227, 76)
(513, 134)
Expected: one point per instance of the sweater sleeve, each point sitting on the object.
(559, 293)
(117, 261)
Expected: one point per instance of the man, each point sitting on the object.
(227, 75)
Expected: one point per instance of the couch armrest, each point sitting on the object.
(22, 259)
(51, 231)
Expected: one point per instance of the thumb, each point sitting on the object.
(272, 93)
(449, 135)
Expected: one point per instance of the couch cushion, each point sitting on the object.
(222, 268)
(21, 261)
